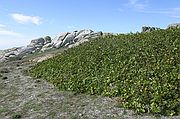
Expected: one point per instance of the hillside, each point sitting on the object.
(141, 69)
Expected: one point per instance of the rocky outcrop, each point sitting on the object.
(67, 39)
(175, 25)
(71, 39)
(149, 29)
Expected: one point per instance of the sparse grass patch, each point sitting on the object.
(2, 109)
(16, 116)
(142, 68)
(4, 70)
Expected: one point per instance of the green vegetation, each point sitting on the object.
(5, 70)
(142, 69)
(47, 39)
(17, 116)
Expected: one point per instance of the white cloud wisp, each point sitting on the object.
(172, 12)
(137, 4)
(6, 32)
(24, 19)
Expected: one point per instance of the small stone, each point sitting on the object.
(38, 81)
(5, 78)
(5, 70)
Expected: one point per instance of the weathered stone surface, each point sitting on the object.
(81, 34)
(57, 41)
(93, 35)
(149, 29)
(47, 47)
(67, 39)
(47, 40)
(175, 25)
(27, 50)
(84, 32)
(37, 42)
(1, 53)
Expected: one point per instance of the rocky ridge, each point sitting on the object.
(149, 28)
(67, 39)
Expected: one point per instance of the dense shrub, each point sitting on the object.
(47, 39)
(143, 69)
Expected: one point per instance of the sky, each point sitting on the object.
(24, 20)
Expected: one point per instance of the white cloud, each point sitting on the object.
(10, 42)
(10, 38)
(133, 2)
(172, 12)
(11, 33)
(24, 19)
(175, 12)
(175, 16)
(120, 10)
(2, 25)
(71, 27)
(6, 32)
(137, 4)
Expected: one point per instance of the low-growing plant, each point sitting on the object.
(16, 116)
(143, 69)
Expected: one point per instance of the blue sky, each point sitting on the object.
(23, 20)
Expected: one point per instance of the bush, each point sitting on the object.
(143, 69)
(47, 39)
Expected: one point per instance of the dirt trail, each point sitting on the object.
(24, 97)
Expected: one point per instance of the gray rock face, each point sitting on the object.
(2, 53)
(39, 41)
(149, 29)
(47, 39)
(57, 41)
(175, 25)
(67, 39)
(71, 38)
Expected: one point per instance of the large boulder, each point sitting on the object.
(69, 39)
(57, 41)
(82, 34)
(10, 53)
(35, 45)
(46, 47)
(93, 35)
(27, 50)
(37, 42)
(175, 25)
(149, 29)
